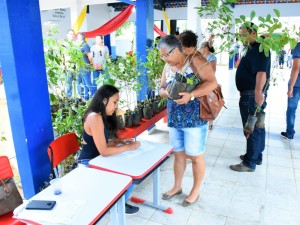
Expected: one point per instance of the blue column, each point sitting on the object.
(23, 65)
(144, 39)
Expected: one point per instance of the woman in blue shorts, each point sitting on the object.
(187, 133)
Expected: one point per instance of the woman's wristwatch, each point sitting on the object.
(192, 96)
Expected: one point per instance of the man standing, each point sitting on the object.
(84, 73)
(100, 54)
(251, 78)
(70, 73)
(293, 95)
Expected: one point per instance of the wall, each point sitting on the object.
(61, 17)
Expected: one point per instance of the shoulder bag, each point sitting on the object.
(10, 197)
(212, 103)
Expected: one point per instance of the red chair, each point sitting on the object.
(5, 173)
(61, 148)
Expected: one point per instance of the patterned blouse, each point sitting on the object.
(186, 115)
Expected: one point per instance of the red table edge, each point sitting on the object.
(134, 177)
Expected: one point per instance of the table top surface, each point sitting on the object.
(135, 164)
(86, 195)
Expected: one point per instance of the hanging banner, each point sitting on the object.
(158, 31)
(167, 20)
(111, 25)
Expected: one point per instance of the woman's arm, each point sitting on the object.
(163, 91)
(94, 126)
(206, 75)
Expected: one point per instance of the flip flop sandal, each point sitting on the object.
(167, 196)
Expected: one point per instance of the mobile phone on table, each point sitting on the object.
(41, 204)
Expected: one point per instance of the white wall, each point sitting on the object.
(61, 17)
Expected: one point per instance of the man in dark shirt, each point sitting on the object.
(251, 78)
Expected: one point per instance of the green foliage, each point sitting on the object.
(125, 72)
(2, 137)
(154, 66)
(63, 58)
(275, 37)
(68, 118)
(125, 26)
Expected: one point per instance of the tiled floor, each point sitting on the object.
(269, 196)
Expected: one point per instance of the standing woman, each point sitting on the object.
(99, 125)
(184, 120)
(207, 51)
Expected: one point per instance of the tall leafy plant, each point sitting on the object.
(271, 34)
(125, 71)
(155, 66)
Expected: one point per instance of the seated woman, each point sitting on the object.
(99, 125)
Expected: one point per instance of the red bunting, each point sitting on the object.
(158, 31)
(111, 25)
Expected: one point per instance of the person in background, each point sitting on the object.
(289, 58)
(293, 95)
(84, 73)
(70, 74)
(100, 54)
(282, 54)
(187, 131)
(207, 51)
(236, 53)
(251, 80)
(99, 125)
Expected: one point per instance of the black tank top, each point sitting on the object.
(89, 150)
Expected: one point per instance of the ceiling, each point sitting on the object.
(159, 4)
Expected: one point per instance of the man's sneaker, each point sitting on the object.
(130, 209)
(241, 168)
(258, 162)
(285, 135)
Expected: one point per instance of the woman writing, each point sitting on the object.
(99, 125)
(188, 132)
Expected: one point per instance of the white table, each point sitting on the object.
(138, 166)
(87, 194)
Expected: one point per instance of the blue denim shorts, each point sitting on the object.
(191, 140)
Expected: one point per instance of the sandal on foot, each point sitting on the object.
(168, 196)
(186, 203)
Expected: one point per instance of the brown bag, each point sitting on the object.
(10, 197)
(212, 103)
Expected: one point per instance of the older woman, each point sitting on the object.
(188, 132)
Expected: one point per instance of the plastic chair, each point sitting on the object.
(61, 148)
(5, 173)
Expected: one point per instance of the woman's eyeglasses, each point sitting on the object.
(167, 55)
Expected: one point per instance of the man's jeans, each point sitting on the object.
(291, 112)
(69, 84)
(256, 141)
(96, 75)
(84, 77)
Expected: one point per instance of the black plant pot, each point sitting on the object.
(136, 118)
(128, 117)
(155, 107)
(120, 122)
(147, 112)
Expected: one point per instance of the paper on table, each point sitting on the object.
(63, 213)
(145, 146)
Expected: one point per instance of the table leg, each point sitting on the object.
(117, 212)
(156, 195)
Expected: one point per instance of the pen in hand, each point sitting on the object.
(135, 137)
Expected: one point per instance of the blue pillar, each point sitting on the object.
(107, 42)
(144, 39)
(23, 65)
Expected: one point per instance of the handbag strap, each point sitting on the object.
(6, 189)
(191, 58)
